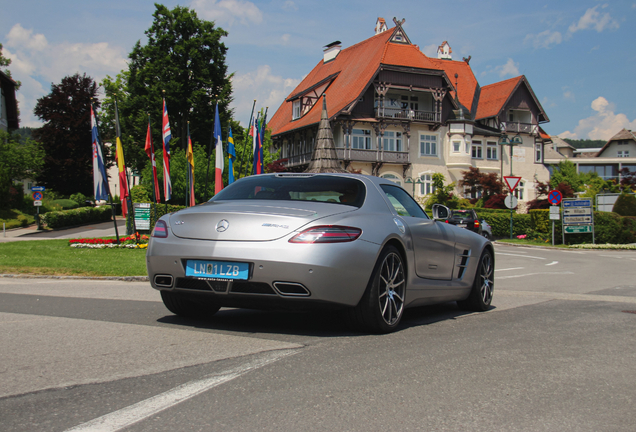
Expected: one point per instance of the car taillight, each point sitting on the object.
(327, 234)
(161, 230)
(476, 224)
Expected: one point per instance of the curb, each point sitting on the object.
(115, 278)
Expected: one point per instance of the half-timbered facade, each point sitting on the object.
(399, 114)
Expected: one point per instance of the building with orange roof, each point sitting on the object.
(401, 115)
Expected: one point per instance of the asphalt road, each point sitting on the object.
(556, 352)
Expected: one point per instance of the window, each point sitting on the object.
(622, 142)
(519, 190)
(296, 109)
(477, 150)
(428, 145)
(467, 146)
(623, 153)
(427, 187)
(392, 177)
(456, 146)
(538, 153)
(402, 202)
(491, 151)
(361, 139)
(392, 141)
(469, 194)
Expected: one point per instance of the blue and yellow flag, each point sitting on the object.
(231, 156)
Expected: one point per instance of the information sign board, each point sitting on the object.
(577, 211)
(577, 203)
(555, 212)
(37, 188)
(576, 220)
(577, 229)
(37, 203)
(142, 216)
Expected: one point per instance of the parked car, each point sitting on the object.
(486, 229)
(465, 219)
(300, 241)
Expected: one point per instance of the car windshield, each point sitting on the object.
(331, 189)
(461, 214)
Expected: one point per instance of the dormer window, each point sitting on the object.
(296, 109)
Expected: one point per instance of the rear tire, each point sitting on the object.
(382, 305)
(188, 307)
(486, 235)
(481, 294)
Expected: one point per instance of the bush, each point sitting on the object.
(75, 217)
(15, 219)
(66, 204)
(500, 223)
(140, 194)
(625, 205)
(80, 199)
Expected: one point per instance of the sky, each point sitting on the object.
(578, 55)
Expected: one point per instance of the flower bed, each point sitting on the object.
(134, 241)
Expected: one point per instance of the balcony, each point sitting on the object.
(517, 127)
(408, 114)
(355, 155)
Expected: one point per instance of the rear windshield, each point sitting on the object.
(461, 214)
(331, 189)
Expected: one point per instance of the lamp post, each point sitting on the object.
(511, 142)
(414, 182)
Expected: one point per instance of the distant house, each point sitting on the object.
(8, 103)
(401, 115)
(619, 152)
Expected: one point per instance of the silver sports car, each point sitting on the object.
(298, 241)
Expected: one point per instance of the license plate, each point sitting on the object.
(217, 269)
(461, 225)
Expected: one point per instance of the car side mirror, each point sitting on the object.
(440, 212)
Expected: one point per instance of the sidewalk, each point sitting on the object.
(103, 229)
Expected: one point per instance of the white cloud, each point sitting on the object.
(510, 68)
(36, 63)
(544, 39)
(567, 94)
(593, 19)
(430, 50)
(268, 90)
(290, 6)
(601, 126)
(227, 12)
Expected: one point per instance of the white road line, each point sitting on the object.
(132, 414)
(533, 274)
(512, 268)
(552, 263)
(520, 256)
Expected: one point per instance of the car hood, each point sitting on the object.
(240, 221)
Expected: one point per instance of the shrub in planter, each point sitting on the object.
(74, 217)
(625, 205)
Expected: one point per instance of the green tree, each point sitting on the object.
(18, 160)
(442, 194)
(66, 135)
(565, 172)
(4, 62)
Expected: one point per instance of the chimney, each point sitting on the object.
(444, 51)
(331, 51)
(380, 26)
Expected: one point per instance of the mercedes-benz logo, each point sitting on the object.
(222, 225)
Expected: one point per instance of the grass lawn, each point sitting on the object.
(517, 241)
(56, 257)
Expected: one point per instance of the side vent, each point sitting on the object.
(464, 258)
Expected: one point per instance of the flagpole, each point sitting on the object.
(261, 151)
(154, 195)
(110, 197)
(255, 141)
(187, 166)
(249, 126)
(207, 172)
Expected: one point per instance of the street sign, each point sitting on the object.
(577, 203)
(555, 197)
(37, 196)
(37, 188)
(554, 212)
(512, 182)
(577, 229)
(577, 211)
(37, 203)
(576, 220)
(511, 201)
(142, 216)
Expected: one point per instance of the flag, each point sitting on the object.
(123, 180)
(190, 158)
(262, 143)
(150, 150)
(100, 179)
(231, 156)
(167, 185)
(218, 176)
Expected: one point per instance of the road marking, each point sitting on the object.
(552, 263)
(567, 296)
(534, 274)
(132, 414)
(521, 256)
(512, 268)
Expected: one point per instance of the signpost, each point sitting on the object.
(554, 197)
(37, 201)
(511, 200)
(578, 217)
(142, 216)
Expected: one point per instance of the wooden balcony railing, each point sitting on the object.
(355, 155)
(518, 127)
(408, 114)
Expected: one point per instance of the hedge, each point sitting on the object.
(75, 217)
